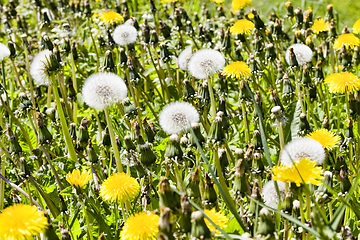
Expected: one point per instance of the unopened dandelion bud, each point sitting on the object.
(49, 233)
(306, 79)
(25, 103)
(109, 64)
(240, 183)
(92, 156)
(226, 42)
(139, 168)
(149, 133)
(168, 198)
(287, 203)
(45, 136)
(134, 76)
(101, 40)
(106, 141)
(165, 225)
(24, 172)
(70, 89)
(216, 132)
(51, 114)
(129, 108)
(259, 24)
(122, 57)
(276, 100)
(345, 184)
(319, 74)
(14, 146)
(349, 129)
(296, 209)
(129, 145)
(322, 195)
(74, 51)
(72, 131)
(164, 53)
(165, 29)
(329, 13)
(292, 58)
(11, 46)
(266, 225)
(173, 149)
(110, 40)
(64, 233)
(154, 39)
(185, 219)
(83, 137)
(63, 205)
(147, 156)
(256, 140)
(209, 194)
(289, 9)
(204, 94)
(341, 162)
(304, 126)
(333, 34)
(145, 32)
(288, 90)
(193, 190)
(255, 194)
(199, 230)
(223, 159)
(239, 153)
(270, 54)
(252, 63)
(187, 89)
(177, 16)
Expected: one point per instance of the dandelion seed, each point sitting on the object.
(341, 82)
(326, 138)
(141, 226)
(101, 90)
(21, 222)
(119, 187)
(302, 52)
(177, 117)
(348, 40)
(269, 193)
(300, 148)
(4, 51)
(125, 34)
(305, 170)
(205, 63)
(37, 68)
(217, 217)
(242, 26)
(184, 58)
(356, 27)
(238, 70)
(77, 178)
(320, 26)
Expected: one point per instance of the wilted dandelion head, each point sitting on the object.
(141, 226)
(242, 26)
(21, 222)
(348, 40)
(240, 4)
(356, 27)
(37, 68)
(108, 16)
(184, 58)
(326, 138)
(302, 52)
(238, 70)
(341, 82)
(303, 171)
(217, 217)
(103, 89)
(300, 148)
(119, 187)
(177, 117)
(269, 193)
(205, 63)
(77, 178)
(320, 26)
(125, 34)
(4, 51)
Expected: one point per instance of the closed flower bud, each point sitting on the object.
(199, 230)
(216, 132)
(139, 168)
(259, 24)
(129, 109)
(14, 146)
(185, 219)
(164, 53)
(322, 194)
(345, 184)
(266, 225)
(25, 103)
(45, 136)
(149, 133)
(83, 137)
(349, 129)
(209, 195)
(287, 203)
(168, 198)
(72, 131)
(187, 90)
(304, 126)
(109, 64)
(145, 32)
(12, 50)
(165, 30)
(93, 158)
(193, 190)
(165, 226)
(129, 145)
(147, 156)
(255, 194)
(173, 149)
(70, 89)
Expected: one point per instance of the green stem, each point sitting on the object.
(2, 183)
(246, 122)
(89, 228)
(64, 125)
(113, 141)
(281, 135)
(212, 98)
(75, 86)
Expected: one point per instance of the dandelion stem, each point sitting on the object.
(113, 141)
(212, 98)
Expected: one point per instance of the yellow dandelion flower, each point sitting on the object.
(217, 217)
(21, 222)
(77, 178)
(237, 70)
(320, 26)
(242, 26)
(348, 40)
(240, 4)
(325, 137)
(288, 173)
(356, 27)
(341, 82)
(108, 16)
(167, 1)
(119, 187)
(141, 226)
(288, 4)
(251, 15)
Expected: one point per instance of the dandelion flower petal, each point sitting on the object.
(237, 70)
(356, 27)
(340, 82)
(217, 217)
(326, 138)
(141, 226)
(348, 40)
(77, 178)
(242, 26)
(320, 26)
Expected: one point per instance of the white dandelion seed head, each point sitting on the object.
(302, 52)
(302, 148)
(125, 34)
(103, 89)
(184, 58)
(4, 51)
(296, 204)
(37, 68)
(176, 117)
(269, 193)
(205, 63)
